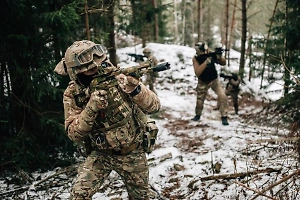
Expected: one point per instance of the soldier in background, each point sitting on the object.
(206, 72)
(109, 119)
(233, 89)
(151, 77)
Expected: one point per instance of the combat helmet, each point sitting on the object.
(82, 56)
(147, 51)
(201, 47)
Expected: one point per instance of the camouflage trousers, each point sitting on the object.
(202, 89)
(234, 95)
(132, 168)
(150, 80)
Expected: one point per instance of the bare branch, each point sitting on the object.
(297, 172)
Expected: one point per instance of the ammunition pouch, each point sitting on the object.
(149, 136)
(85, 148)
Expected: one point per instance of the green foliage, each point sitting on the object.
(284, 45)
(65, 17)
(35, 35)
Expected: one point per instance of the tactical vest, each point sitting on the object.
(210, 73)
(118, 125)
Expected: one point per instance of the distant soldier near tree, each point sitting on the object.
(233, 89)
(151, 77)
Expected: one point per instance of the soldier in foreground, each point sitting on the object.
(205, 70)
(109, 117)
(151, 77)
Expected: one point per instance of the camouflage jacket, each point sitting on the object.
(151, 75)
(115, 127)
(233, 85)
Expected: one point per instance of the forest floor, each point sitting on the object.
(252, 158)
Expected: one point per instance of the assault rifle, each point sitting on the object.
(135, 71)
(106, 81)
(226, 76)
(137, 57)
(233, 76)
(218, 51)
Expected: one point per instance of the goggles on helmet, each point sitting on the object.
(87, 56)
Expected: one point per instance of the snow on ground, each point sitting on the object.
(187, 153)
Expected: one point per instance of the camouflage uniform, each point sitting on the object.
(109, 119)
(207, 75)
(202, 89)
(151, 77)
(232, 89)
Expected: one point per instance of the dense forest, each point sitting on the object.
(35, 35)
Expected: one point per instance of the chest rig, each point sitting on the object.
(116, 127)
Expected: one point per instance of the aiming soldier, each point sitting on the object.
(204, 66)
(107, 115)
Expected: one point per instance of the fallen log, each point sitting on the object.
(239, 175)
(297, 172)
(40, 184)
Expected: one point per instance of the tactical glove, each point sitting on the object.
(127, 83)
(98, 100)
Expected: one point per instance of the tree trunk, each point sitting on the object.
(87, 27)
(232, 25)
(111, 44)
(199, 20)
(183, 22)
(243, 39)
(208, 24)
(175, 22)
(250, 58)
(286, 59)
(226, 28)
(231, 32)
(266, 44)
(156, 28)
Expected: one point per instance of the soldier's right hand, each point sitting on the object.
(98, 100)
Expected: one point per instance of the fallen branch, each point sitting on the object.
(38, 184)
(297, 172)
(157, 192)
(256, 191)
(71, 168)
(239, 175)
(15, 191)
(274, 140)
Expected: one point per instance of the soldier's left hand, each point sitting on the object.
(127, 83)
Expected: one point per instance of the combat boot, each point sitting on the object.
(196, 118)
(236, 109)
(224, 121)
